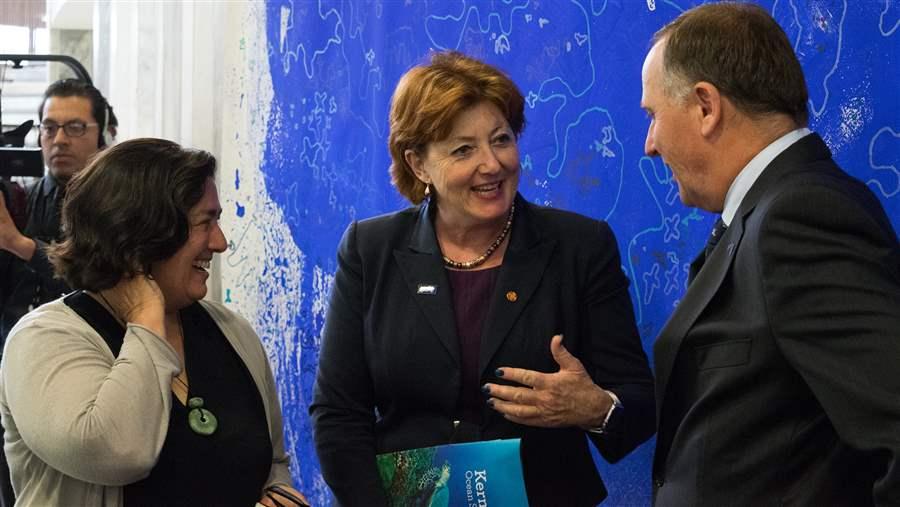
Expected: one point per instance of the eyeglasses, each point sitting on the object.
(73, 128)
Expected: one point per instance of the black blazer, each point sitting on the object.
(778, 375)
(389, 375)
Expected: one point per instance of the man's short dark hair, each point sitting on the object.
(100, 108)
(742, 51)
(129, 208)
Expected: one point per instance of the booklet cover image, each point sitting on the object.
(476, 474)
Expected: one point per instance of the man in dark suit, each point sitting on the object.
(778, 375)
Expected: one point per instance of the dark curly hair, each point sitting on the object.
(128, 209)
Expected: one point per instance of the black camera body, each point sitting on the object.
(16, 201)
(16, 160)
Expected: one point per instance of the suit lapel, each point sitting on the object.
(698, 295)
(423, 271)
(696, 264)
(523, 267)
(797, 157)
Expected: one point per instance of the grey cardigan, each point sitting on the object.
(80, 423)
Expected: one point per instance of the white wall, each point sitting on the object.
(197, 73)
(69, 14)
(160, 65)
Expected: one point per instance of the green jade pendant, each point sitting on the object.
(201, 420)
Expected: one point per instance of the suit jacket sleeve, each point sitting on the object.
(613, 352)
(343, 408)
(831, 273)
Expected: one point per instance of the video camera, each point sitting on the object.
(16, 160)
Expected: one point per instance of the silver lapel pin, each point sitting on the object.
(428, 290)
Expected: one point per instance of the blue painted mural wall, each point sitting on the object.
(324, 160)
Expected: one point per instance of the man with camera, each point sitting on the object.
(76, 122)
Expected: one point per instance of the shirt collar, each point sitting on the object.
(751, 172)
(49, 184)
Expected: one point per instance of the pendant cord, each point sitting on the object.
(180, 330)
(182, 382)
(184, 370)
(111, 309)
(200, 419)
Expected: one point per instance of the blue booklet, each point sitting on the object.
(476, 474)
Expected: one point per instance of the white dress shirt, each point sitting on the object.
(751, 172)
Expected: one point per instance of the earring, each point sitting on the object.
(427, 189)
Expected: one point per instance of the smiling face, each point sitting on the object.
(674, 132)
(65, 155)
(182, 277)
(474, 173)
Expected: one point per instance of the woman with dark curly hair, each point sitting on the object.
(131, 390)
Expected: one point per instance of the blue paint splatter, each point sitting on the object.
(237, 179)
(240, 210)
(325, 162)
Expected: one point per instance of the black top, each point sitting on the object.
(229, 467)
(26, 285)
(472, 292)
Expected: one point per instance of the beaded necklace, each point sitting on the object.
(478, 261)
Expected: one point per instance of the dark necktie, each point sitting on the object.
(714, 237)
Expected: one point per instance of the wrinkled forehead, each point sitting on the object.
(469, 121)
(66, 109)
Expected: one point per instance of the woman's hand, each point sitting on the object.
(139, 300)
(568, 397)
(275, 497)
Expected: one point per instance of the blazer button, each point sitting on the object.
(658, 482)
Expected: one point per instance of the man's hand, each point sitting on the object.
(11, 239)
(568, 397)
